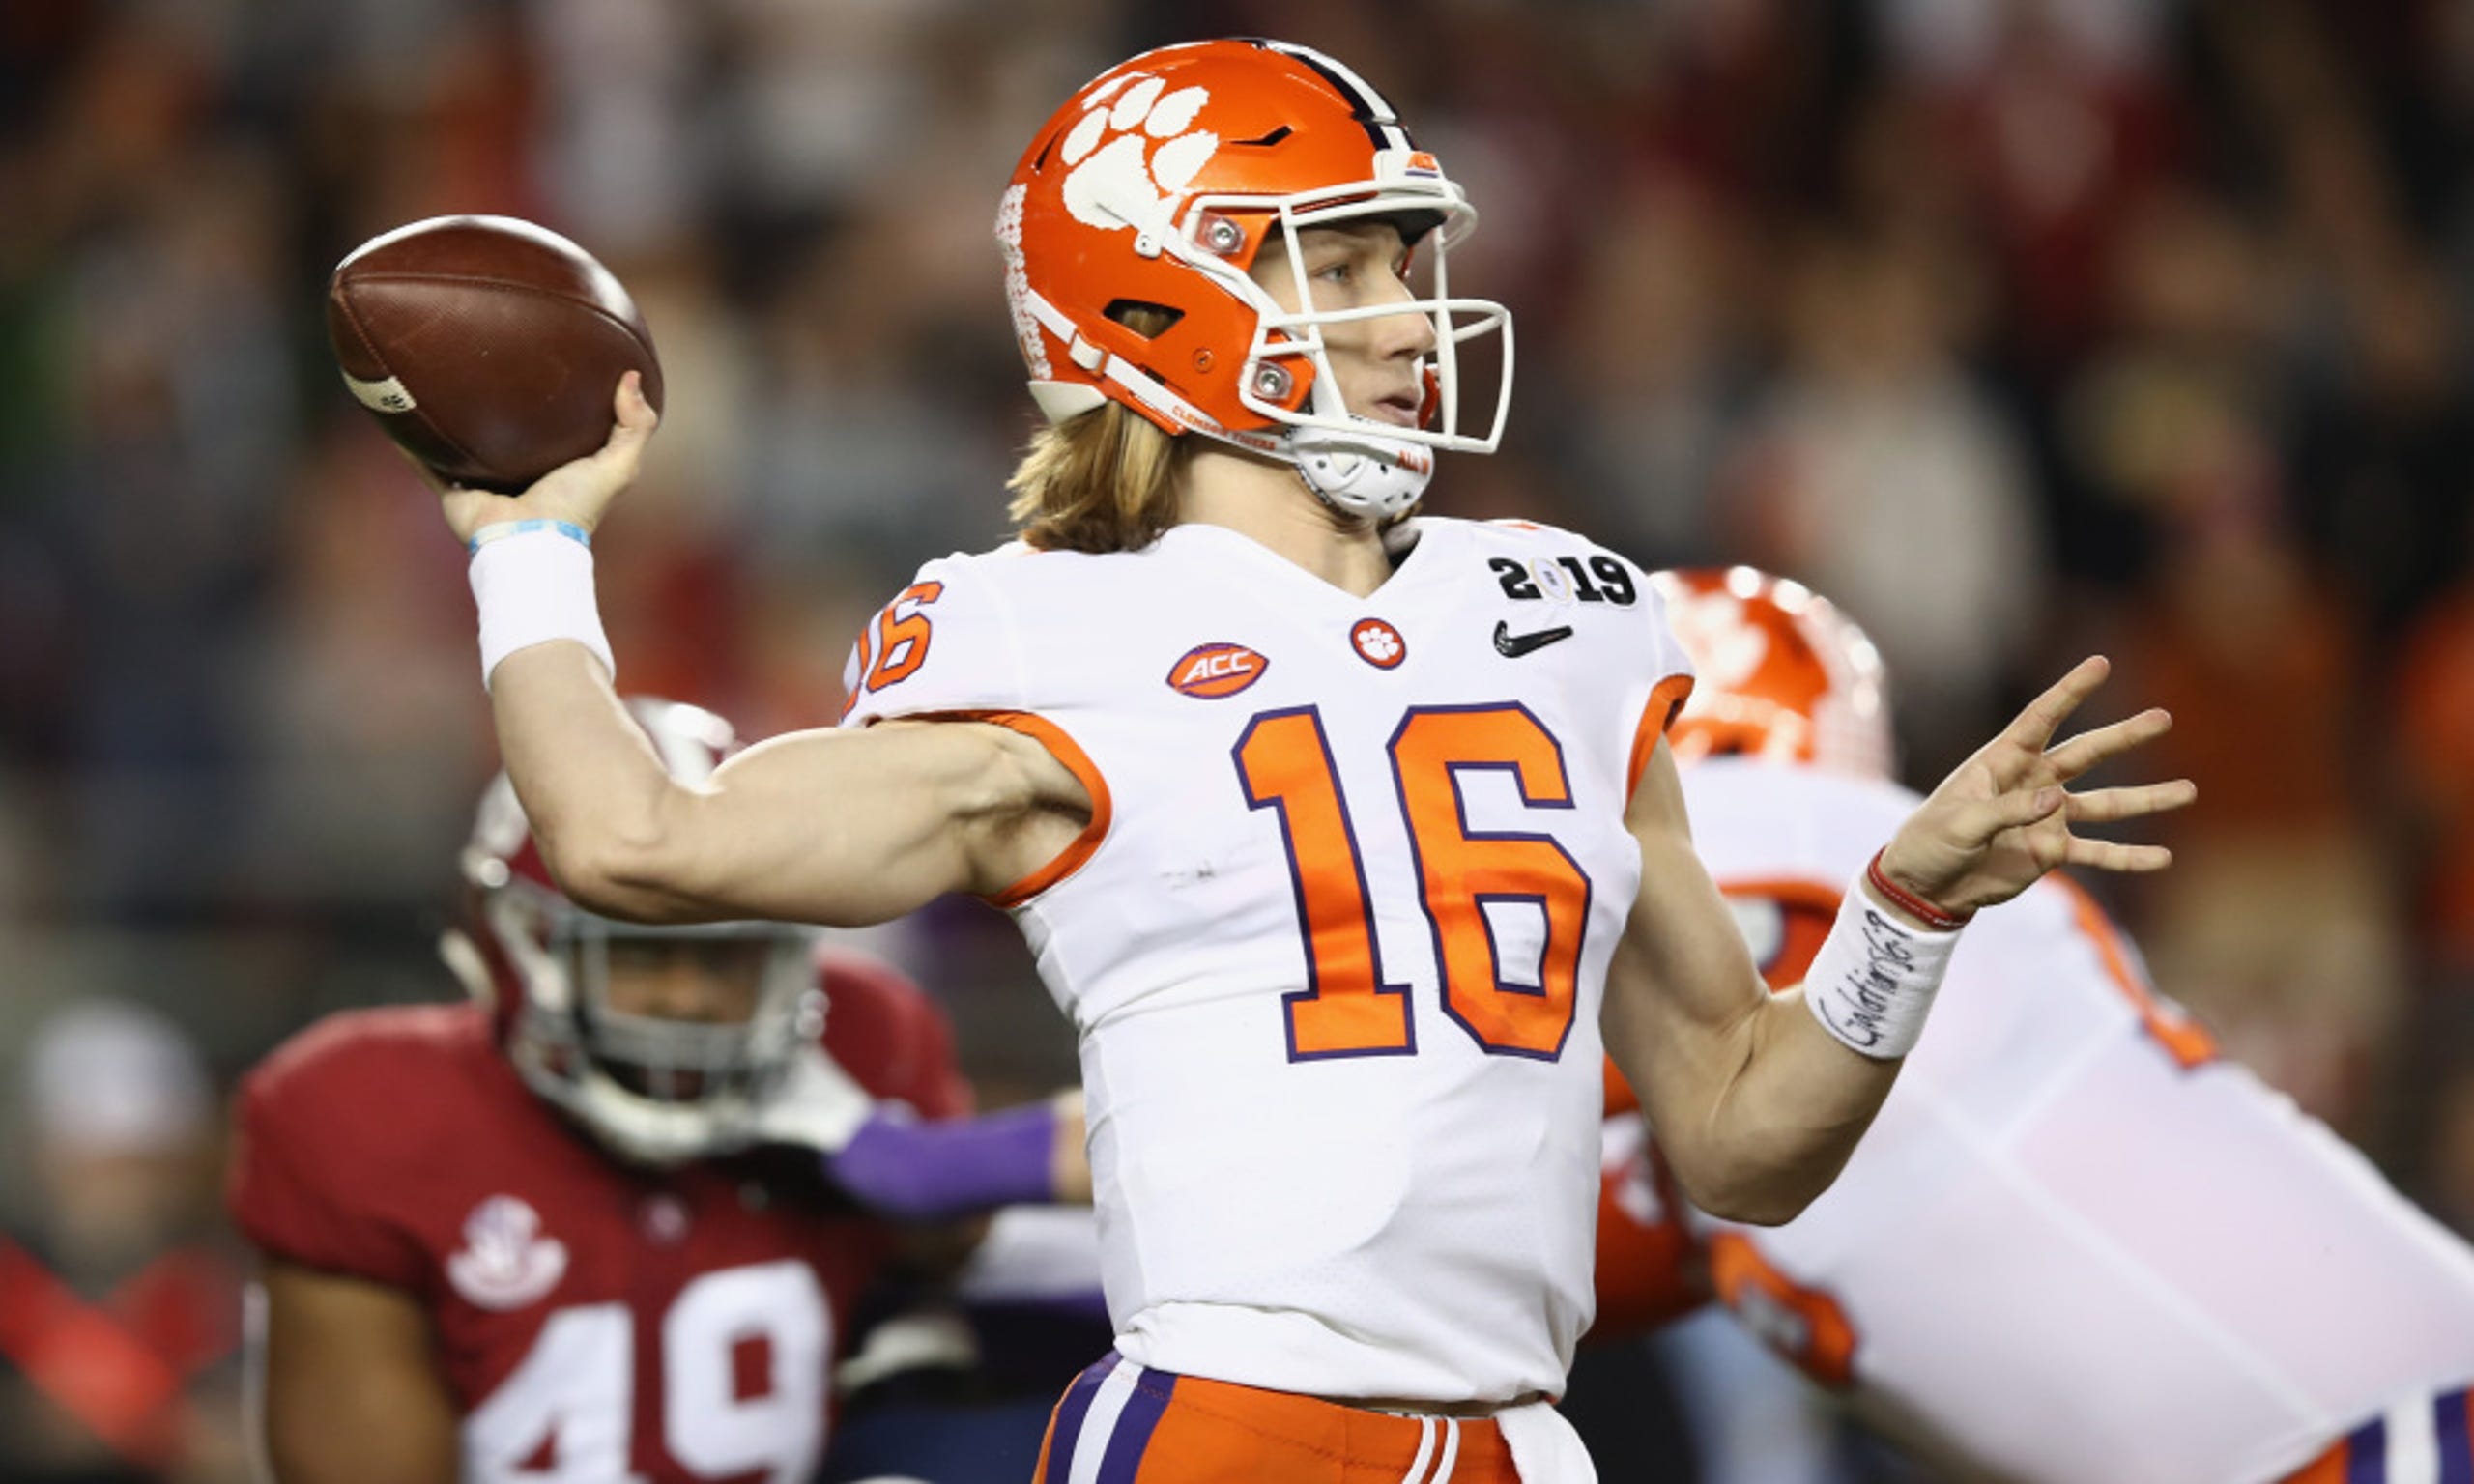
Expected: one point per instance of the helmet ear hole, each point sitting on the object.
(1149, 320)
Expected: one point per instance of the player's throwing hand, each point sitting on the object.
(577, 493)
(2003, 818)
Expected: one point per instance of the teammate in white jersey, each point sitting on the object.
(1336, 831)
(2075, 1246)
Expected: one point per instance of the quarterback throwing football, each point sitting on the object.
(1345, 839)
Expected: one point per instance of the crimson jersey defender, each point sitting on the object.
(594, 1319)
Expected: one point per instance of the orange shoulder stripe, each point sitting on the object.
(1665, 701)
(1066, 750)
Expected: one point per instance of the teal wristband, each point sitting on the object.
(499, 531)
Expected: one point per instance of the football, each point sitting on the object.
(487, 347)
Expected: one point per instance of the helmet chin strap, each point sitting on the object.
(1366, 474)
(1362, 473)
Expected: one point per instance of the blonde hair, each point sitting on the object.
(1102, 481)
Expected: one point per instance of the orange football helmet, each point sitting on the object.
(1155, 186)
(1783, 674)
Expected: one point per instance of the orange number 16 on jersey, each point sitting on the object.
(1346, 1009)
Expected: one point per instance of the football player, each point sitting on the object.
(1333, 830)
(2076, 1243)
(576, 1228)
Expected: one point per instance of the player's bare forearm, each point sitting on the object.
(591, 785)
(820, 827)
(841, 828)
(1778, 1107)
(1756, 1106)
(1756, 1099)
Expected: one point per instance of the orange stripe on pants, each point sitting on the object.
(1214, 1431)
(2328, 1467)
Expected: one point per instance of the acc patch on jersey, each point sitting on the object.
(1209, 672)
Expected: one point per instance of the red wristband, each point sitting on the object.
(1908, 902)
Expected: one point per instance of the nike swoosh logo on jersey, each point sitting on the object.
(1512, 646)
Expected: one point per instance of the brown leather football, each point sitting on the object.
(487, 347)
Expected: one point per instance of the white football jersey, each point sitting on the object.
(2074, 1245)
(1335, 939)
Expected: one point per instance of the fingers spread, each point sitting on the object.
(2099, 805)
(2089, 749)
(1974, 824)
(2109, 855)
(2036, 726)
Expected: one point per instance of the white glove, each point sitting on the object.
(816, 1105)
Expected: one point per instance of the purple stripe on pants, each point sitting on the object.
(1070, 1414)
(1135, 1425)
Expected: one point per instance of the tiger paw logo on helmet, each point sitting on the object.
(1132, 227)
(1131, 154)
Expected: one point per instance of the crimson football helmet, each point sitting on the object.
(1782, 674)
(1155, 186)
(657, 1090)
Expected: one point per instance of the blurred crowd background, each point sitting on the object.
(2022, 328)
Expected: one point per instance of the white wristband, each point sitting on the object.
(532, 583)
(1874, 979)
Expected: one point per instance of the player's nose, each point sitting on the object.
(1409, 334)
(687, 989)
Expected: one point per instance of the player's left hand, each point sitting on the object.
(2004, 818)
(817, 1106)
